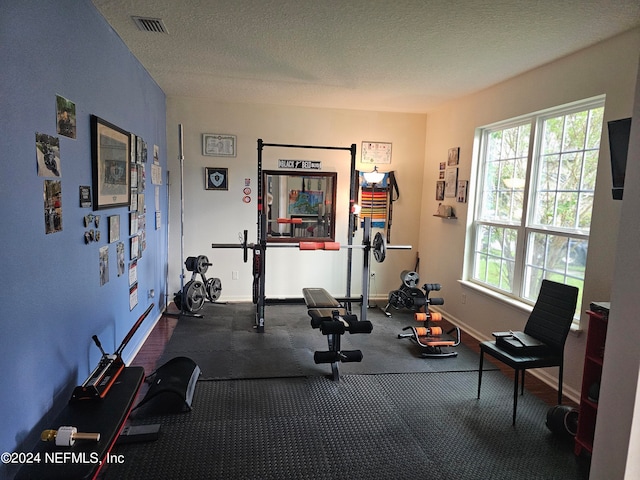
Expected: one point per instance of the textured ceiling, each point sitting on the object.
(401, 55)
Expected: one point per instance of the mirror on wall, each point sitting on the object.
(300, 206)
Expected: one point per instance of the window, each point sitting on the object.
(535, 186)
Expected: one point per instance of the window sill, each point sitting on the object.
(512, 302)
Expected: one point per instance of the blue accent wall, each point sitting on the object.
(50, 293)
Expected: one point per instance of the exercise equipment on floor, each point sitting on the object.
(196, 291)
(431, 338)
(104, 376)
(408, 296)
(333, 320)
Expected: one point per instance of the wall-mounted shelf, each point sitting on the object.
(453, 217)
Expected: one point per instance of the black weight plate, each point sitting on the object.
(191, 263)
(214, 288)
(379, 248)
(193, 296)
(202, 264)
(410, 279)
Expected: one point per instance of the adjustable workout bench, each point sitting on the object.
(333, 320)
(430, 338)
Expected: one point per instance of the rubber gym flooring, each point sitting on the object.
(264, 410)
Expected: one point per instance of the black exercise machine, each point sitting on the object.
(333, 320)
(429, 336)
(409, 297)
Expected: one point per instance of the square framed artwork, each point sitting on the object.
(110, 152)
(218, 145)
(216, 178)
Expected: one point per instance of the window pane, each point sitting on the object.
(594, 131)
(545, 208)
(589, 170)
(495, 255)
(566, 210)
(570, 171)
(548, 175)
(575, 131)
(495, 239)
(506, 275)
(552, 136)
(480, 268)
(577, 257)
(534, 281)
(493, 272)
(556, 260)
(504, 173)
(555, 257)
(509, 243)
(584, 211)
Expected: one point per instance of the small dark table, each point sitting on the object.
(85, 458)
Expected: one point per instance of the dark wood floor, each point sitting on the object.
(155, 343)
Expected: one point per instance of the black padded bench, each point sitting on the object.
(84, 459)
(333, 320)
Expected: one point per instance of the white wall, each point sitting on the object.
(607, 68)
(219, 216)
(617, 440)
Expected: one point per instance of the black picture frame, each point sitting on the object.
(111, 157)
(216, 178)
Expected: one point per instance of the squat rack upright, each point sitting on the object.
(259, 251)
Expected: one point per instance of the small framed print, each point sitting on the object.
(218, 145)
(376, 152)
(440, 190)
(85, 196)
(114, 228)
(453, 157)
(216, 178)
(450, 182)
(463, 186)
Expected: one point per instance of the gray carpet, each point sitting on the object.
(387, 426)
(225, 345)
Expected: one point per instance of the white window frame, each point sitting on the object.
(525, 227)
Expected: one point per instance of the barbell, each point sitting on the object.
(378, 246)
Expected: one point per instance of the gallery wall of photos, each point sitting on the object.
(49, 165)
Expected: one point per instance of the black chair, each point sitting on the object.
(549, 323)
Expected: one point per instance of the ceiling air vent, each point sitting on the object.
(147, 24)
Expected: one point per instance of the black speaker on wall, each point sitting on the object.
(171, 388)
